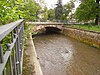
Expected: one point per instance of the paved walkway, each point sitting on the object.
(31, 64)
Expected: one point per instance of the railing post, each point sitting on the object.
(1, 53)
(4, 72)
(14, 52)
(10, 60)
(21, 35)
(22, 43)
(1, 57)
(18, 48)
(17, 56)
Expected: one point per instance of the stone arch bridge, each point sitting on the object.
(47, 26)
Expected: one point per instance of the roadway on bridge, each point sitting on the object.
(61, 55)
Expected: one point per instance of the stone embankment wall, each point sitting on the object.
(90, 37)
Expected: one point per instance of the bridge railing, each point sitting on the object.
(11, 53)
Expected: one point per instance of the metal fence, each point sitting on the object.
(12, 55)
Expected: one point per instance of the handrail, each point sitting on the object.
(14, 48)
(6, 29)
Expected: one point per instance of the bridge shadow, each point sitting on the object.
(52, 30)
(44, 34)
(48, 31)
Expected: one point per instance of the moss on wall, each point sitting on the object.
(91, 38)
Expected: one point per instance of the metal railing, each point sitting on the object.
(11, 58)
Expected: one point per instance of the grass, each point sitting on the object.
(87, 27)
(28, 68)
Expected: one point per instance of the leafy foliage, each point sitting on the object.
(31, 10)
(67, 8)
(11, 10)
(87, 10)
(48, 14)
(51, 14)
(44, 14)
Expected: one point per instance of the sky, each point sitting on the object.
(51, 3)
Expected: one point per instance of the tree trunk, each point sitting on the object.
(97, 20)
(97, 16)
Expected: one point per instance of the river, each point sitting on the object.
(61, 55)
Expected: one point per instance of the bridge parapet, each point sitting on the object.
(14, 51)
(45, 23)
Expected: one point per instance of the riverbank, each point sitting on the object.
(90, 37)
(31, 64)
(87, 27)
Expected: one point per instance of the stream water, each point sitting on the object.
(61, 55)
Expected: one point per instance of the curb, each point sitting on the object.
(37, 69)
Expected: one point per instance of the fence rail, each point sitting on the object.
(13, 54)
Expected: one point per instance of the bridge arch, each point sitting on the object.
(49, 28)
(52, 29)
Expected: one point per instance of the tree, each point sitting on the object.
(12, 10)
(59, 10)
(67, 8)
(98, 13)
(51, 14)
(31, 10)
(90, 10)
(44, 14)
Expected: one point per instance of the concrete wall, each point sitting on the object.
(89, 37)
